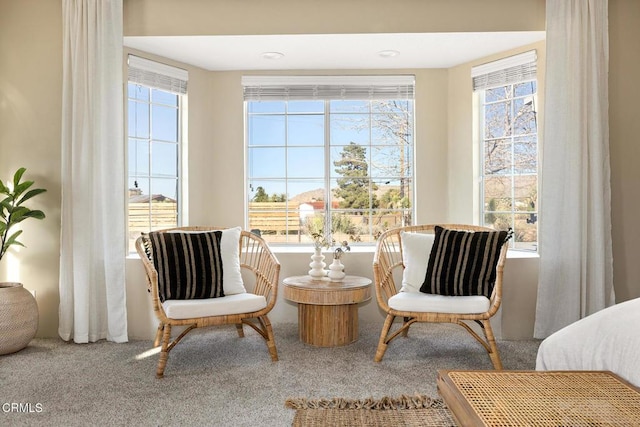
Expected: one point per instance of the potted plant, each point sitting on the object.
(18, 307)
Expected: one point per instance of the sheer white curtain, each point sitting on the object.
(576, 265)
(92, 278)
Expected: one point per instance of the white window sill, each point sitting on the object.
(309, 249)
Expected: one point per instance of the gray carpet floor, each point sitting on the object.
(215, 378)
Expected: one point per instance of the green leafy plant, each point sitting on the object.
(12, 209)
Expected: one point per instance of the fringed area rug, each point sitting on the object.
(417, 410)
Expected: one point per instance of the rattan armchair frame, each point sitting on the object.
(255, 257)
(388, 257)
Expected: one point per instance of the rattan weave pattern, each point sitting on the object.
(577, 398)
(373, 418)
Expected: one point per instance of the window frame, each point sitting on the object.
(328, 174)
(181, 156)
(512, 175)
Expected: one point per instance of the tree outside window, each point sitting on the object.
(510, 161)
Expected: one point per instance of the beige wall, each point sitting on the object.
(30, 94)
(30, 125)
(624, 144)
(215, 17)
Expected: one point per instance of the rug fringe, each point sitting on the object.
(417, 401)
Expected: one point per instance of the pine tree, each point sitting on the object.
(353, 187)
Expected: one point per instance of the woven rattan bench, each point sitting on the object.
(540, 398)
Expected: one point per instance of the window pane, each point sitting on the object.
(497, 120)
(163, 214)
(164, 188)
(497, 157)
(498, 221)
(526, 88)
(267, 162)
(164, 123)
(138, 92)
(166, 98)
(343, 106)
(305, 130)
(393, 194)
(353, 193)
(138, 157)
(266, 107)
(497, 94)
(164, 159)
(312, 222)
(497, 194)
(526, 193)
(525, 152)
(267, 190)
(525, 231)
(138, 125)
(350, 161)
(267, 130)
(305, 107)
(348, 128)
(305, 162)
(138, 187)
(307, 191)
(390, 106)
(390, 129)
(525, 119)
(392, 161)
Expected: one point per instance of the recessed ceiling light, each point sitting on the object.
(272, 55)
(388, 53)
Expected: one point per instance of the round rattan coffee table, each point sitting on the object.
(327, 311)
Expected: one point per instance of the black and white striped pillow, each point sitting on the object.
(463, 263)
(189, 265)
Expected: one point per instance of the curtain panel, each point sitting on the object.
(92, 253)
(576, 263)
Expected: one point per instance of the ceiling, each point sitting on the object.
(332, 51)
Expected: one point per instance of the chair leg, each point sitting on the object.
(240, 330)
(494, 355)
(156, 340)
(270, 339)
(382, 343)
(405, 332)
(164, 354)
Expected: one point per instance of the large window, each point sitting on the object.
(340, 167)
(154, 151)
(509, 153)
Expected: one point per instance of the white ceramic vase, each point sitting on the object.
(336, 270)
(317, 265)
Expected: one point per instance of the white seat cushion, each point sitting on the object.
(230, 304)
(429, 303)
